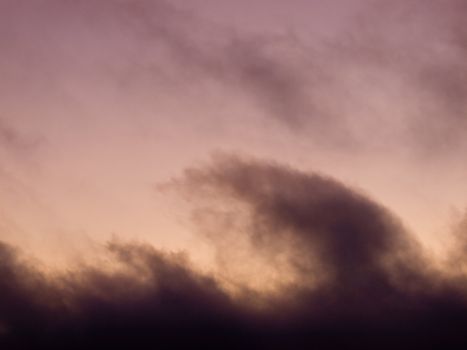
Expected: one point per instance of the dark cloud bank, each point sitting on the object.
(376, 288)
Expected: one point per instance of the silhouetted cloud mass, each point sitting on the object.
(375, 288)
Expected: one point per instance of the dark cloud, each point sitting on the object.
(157, 301)
(377, 290)
(320, 213)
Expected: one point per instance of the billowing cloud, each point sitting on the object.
(378, 289)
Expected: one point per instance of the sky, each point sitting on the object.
(272, 149)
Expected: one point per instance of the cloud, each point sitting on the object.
(320, 213)
(378, 288)
(131, 44)
(375, 81)
(270, 70)
(155, 299)
(391, 42)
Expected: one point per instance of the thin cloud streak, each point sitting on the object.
(380, 77)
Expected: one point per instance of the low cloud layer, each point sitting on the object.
(376, 288)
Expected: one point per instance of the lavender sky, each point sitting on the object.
(103, 102)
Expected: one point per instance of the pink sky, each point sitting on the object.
(233, 174)
(102, 101)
